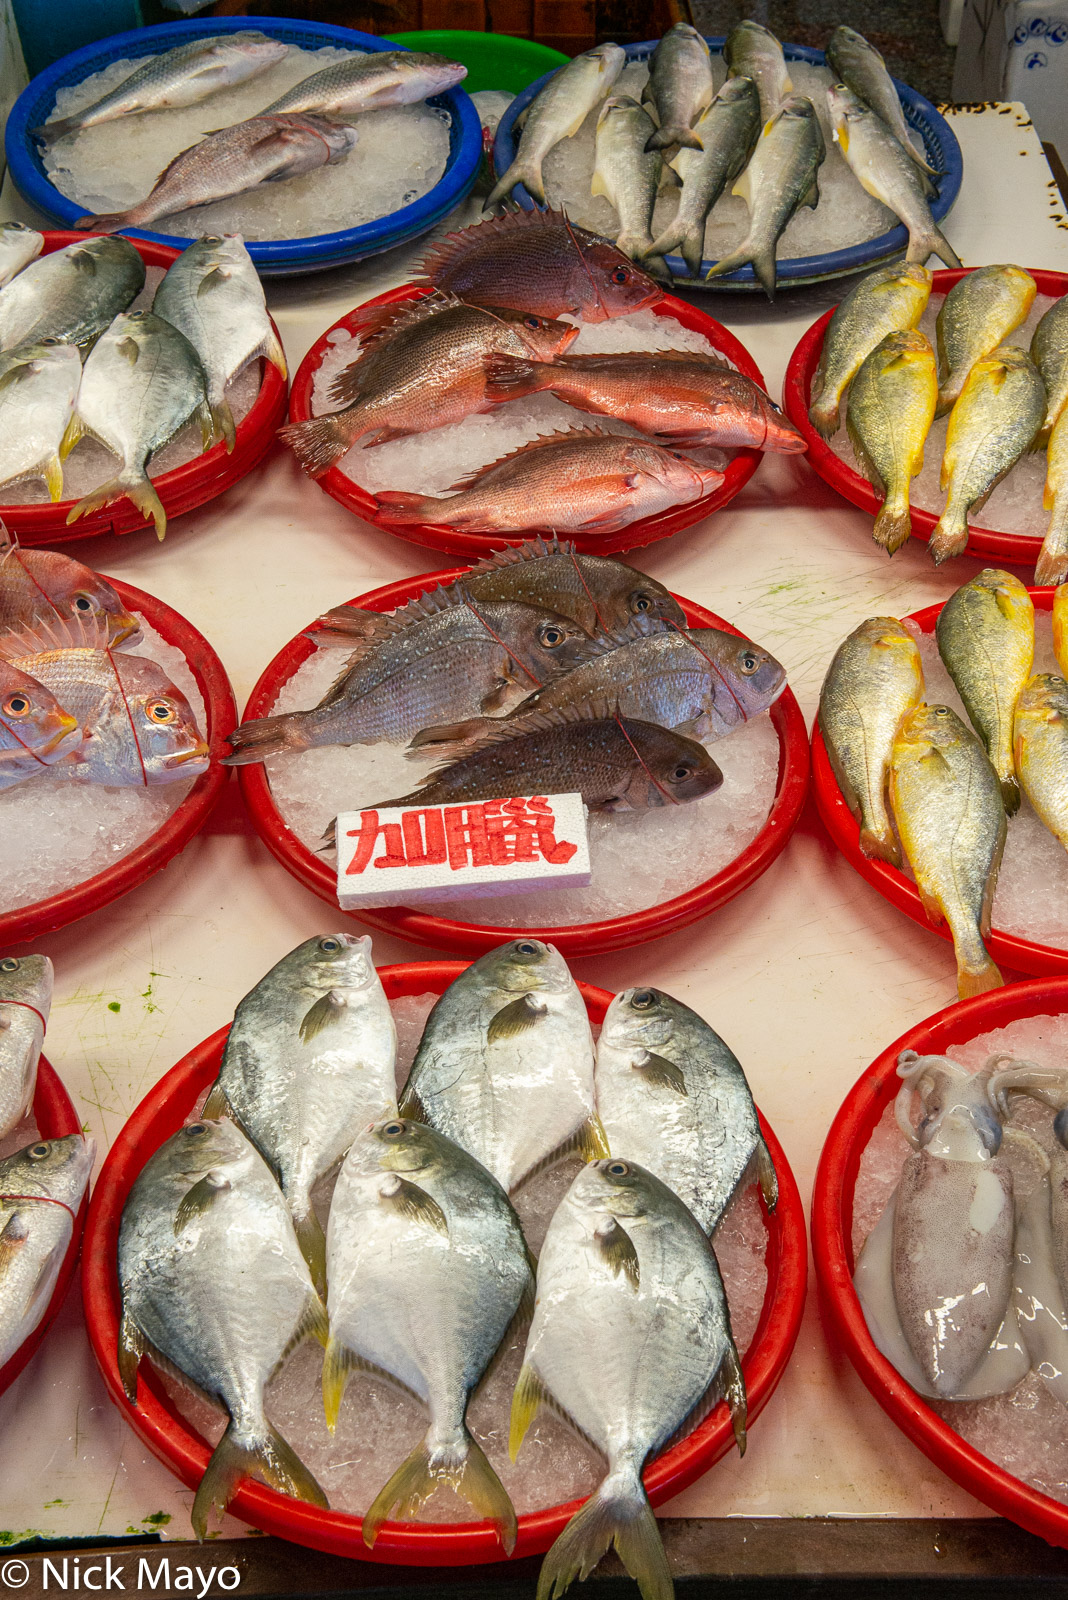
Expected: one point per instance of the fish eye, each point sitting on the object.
(161, 712)
(195, 1130)
(748, 663)
(37, 1152)
(552, 636)
(16, 705)
(9, 964)
(621, 275)
(641, 602)
(329, 947)
(941, 711)
(394, 1130)
(682, 772)
(212, 238)
(526, 947)
(642, 999)
(533, 322)
(617, 1169)
(84, 603)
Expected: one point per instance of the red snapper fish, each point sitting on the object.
(35, 731)
(563, 482)
(42, 585)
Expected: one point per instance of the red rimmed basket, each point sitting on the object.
(151, 856)
(183, 489)
(832, 1230)
(1024, 955)
(55, 1116)
(455, 541)
(983, 543)
(578, 939)
(158, 1424)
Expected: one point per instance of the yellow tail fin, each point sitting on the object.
(618, 1514)
(270, 1459)
(137, 488)
(464, 1468)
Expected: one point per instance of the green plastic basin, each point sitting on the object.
(493, 60)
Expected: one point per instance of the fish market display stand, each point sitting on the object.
(807, 975)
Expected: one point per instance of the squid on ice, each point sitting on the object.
(935, 1278)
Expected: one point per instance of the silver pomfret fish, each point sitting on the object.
(673, 1097)
(752, 51)
(38, 385)
(263, 149)
(628, 175)
(631, 1335)
(558, 112)
(680, 87)
(19, 245)
(142, 382)
(35, 730)
(986, 638)
(369, 81)
(308, 1062)
(70, 294)
(25, 1001)
(35, 1232)
(978, 314)
(213, 296)
(444, 657)
(427, 1268)
(861, 68)
(890, 300)
(947, 803)
(180, 77)
(212, 1276)
(505, 1064)
(726, 132)
(874, 680)
(781, 176)
(886, 172)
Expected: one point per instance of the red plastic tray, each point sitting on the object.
(159, 1426)
(474, 545)
(56, 1117)
(185, 488)
(983, 543)
(832, 1231)
(577, 939)
(1024, 955)
(45, 916)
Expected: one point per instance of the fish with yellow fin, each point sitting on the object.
(891, 407)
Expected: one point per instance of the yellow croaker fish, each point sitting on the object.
(890, 300)
(1052, 563)
(976, 316)
(986, 637)
(874, 680)
(1040, 745)
(1060, 628)
(891, 407)
(992, 425)
(946, 801)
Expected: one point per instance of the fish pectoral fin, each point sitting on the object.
(598, 185)
(327, 1010)
(129, 350)
(200, 1199)
(812, 197)
(217, 1105)
(412, 1202)
(660, 1072)
(13, 1236)
(767, 1177)
(932, 907)
(529, 1394)
(131, 1348)
(515, 1018)
(84, 262)
(270, 1459)
(312, 1242)
(616, 1248)
(467, 1472)
(214, 278)
(411, 1106)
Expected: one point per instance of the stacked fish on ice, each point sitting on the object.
(1003, 402)
(489, 335)
(42, 1182)
(306, 128)
(426, 1267)
(952, 792)
(754, 138)
(73, 705)
(76, 360)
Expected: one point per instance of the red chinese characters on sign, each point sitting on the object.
(490, 833)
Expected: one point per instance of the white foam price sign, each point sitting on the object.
(404, 854)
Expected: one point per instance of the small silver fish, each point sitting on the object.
(25, 1001)
(861, 68)
(368, 81)
(556, 113)
(726, 132)
(627, 173)
(19, 245)
(752, 51)
(36, 1233)
(680, 86)
(38, 385)
(70, 294)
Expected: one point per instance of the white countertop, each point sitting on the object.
(808, 974)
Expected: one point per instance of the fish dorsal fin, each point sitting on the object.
(450, 250)
(541, 442)
(413, 615)
(591, 710)
(9, 543)
(74, 632)
(538, 549)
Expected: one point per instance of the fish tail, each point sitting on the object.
(398, 505)
(463, 1466)
(880, 846)
(528, 174)
(618, 1514)
(511, 377)
(222, 425)
(950, 535)
(1052, 563)
(266, 737)
(762, 262)
(49, 132)
(932, 242)
(977, 976)
(135, 486)
(104, 222)
(664, 138)
(893, 525)
(269, 1458)
(1010, 794)
(639, 247)
(343, 626)
(825, 414)
(312, 1241)
(322, 441)
(447, 734)
(688, 239)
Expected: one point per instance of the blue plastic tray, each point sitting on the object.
(942, 149)
(280, 256)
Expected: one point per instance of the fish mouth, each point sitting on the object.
(199, 752)
(68, 727)
(124, 629)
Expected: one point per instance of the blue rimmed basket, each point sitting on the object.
(282, 256)
(940, 145)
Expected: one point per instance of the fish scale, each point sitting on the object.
(35, 730)
(25, 1002)
(370, 81)
(37, 1236)
(71, 294)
